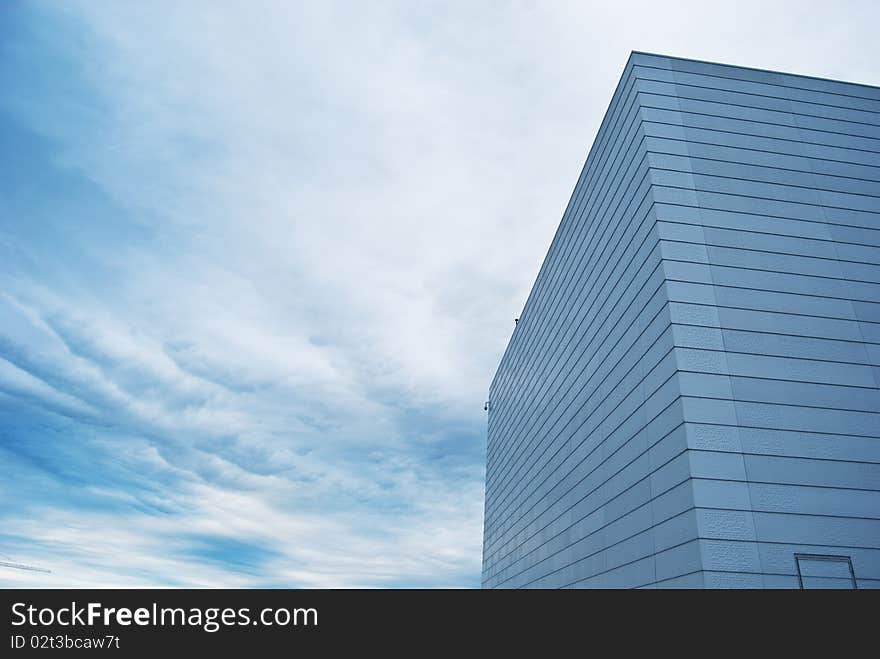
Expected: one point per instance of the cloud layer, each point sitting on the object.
(257, 266)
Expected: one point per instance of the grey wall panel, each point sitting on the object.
(790, 244)
(690, 397)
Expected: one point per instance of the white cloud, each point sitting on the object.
(326, 218)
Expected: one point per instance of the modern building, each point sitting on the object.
(691, 395)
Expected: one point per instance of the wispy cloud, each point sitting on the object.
(258, 266)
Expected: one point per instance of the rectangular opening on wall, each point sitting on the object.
(825, 571)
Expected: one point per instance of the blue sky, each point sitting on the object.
(258, 265)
